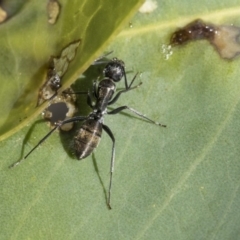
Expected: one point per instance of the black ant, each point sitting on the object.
(89, 134)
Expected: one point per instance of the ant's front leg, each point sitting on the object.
(95, 88)
(128, 88)
(89, 101)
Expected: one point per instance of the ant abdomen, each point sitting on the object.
(87, 138)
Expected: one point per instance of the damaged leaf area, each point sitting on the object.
(53, 9)
(62, 107)
(57, 67)
(225, 39)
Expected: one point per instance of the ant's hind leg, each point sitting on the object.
(110, 134)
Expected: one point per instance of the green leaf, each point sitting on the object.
(181, 182)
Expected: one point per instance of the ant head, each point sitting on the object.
(114, 70)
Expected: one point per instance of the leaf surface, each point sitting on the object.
(179, 182)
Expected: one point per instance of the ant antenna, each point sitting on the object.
(98, 62)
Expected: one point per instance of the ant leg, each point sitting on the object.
(125, 78)
(132, 80)
(97, 61)
(125, 90)
(74, 119)
(89, 101)
(110, 134)
(64, 92)
(117, 110)
(95, 88)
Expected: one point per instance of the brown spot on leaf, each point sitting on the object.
(225, 39)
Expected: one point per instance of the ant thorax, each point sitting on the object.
(97, 115)
(106, 89)
(108, 84)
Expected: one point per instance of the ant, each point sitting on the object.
(88, 136)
